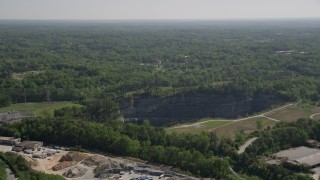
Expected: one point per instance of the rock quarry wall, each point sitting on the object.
(189, 106)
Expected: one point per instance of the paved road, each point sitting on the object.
(237, 120)
(246, 144)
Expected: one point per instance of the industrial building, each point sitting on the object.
(32, 145)
(11, 141)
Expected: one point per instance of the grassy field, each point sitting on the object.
(198, 128)
(224, 128)
(199, 120)
(247, 126)
(231, 128)
(44, 109)
(3, 174)
(294, 112)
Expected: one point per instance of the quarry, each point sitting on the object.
(82, 166)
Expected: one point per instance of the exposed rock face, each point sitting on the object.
(68, 160)
(10, 117)
(75, 172)
(95, 160)
(184, 107)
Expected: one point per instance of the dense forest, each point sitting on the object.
(101, 64)
(57, 60)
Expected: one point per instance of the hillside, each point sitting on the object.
(60, 61)
(187, 96)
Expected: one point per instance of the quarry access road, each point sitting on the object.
(246, 144)
(263, 115)
(235, 173)
(313, 115)
(10, 175)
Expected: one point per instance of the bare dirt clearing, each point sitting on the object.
(84, 166)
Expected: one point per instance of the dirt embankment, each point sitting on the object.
(68, 160)
(10, 117)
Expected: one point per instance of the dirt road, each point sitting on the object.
(246, 144)
(237, 120)
(10, 175)
(314, 115)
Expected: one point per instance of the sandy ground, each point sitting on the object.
(317, 173)
(4, 148)
(88, 175)
(45, 165)
(128, 176)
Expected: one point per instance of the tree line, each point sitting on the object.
(203, 155)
